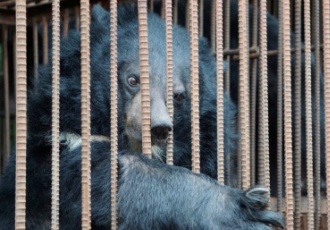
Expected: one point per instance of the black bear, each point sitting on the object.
(152, 195)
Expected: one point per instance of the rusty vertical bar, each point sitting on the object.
(279, 129)
(220, 88)
(21, 128)
(85, 115)
(254, 92)
(187, 11)
(55, 114)
(175, 12)
(144, 72)
(151, 5)
(308, 110)
(227, 73)
(77, 17)
(297, 114)
(263, 147)
(6, 93)
(169, 74)
(317, 102)
(244, 102)
(194, 84)
(326, 65)
(213, 25)
(287, 114)
(227, 42)
(14, 64)
(45, 40)
(114, 113)
(66, 20)
(162, 9)
(35, 48)
(201, 17)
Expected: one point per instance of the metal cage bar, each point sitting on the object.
(308, 110)
(280, 108)
(6, 98)
(55, 114)
(21, 127)
(169, 75)
(326, 66)
(114, 113)
(317, 101)
(144, 73)
(45, 40)
(244, 102)
(287, 96)
(220, 92)
(253, 85)
(263, 147)
(297, 114)
(194, 85)
(35, 48)
(85, 115)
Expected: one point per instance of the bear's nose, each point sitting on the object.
(161, 133)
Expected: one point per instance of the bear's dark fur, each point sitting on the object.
(152, 195)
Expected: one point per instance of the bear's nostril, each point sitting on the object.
(160, 132)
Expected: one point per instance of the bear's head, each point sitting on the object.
(129, 96)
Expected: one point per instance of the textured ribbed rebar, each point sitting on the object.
(85, 115)
(169, 75)
(297, 114)
(308, 110)
(317, 125)
(254, 93)
(114, 113)
(280, 108)
(244, 104)
(326, 65)
(194, 84)
(35, 48)
(7, 96)
(287, 92)
(227, 73)
(144, 75)
(21, 131)
(66, 21)
(55, 114)
(263, 147)
(44, 40)
(220, 88)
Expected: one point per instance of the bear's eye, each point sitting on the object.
(133, 80)
(179, 96)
